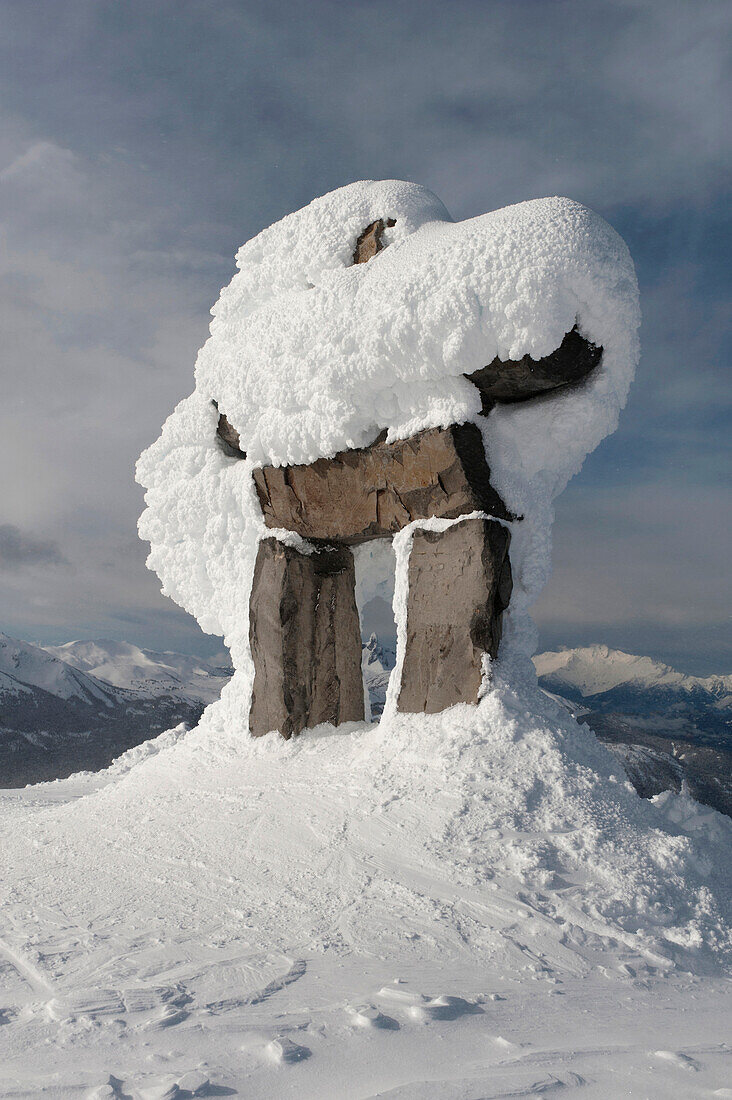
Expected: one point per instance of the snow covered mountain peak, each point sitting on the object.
(378, 653)
(24, 666)
(145, 671)
(596, 669)
(76, 707)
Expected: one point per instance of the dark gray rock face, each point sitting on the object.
(374, 491)
(520, 379)
(459, 584)
(305, 639)
(228, 436)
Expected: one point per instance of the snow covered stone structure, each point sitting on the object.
(377, 372)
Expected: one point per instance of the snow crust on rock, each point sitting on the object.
(310, 354)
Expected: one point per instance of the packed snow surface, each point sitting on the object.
(467, 905)
(310, 354)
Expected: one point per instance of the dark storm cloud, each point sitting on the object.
(142, 143)
(19, 550)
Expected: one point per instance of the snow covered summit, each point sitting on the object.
(597, 671)
(144, 671)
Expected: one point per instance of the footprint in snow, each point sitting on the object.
(102, 1092)
(448, 1008)
(505, 1044)
(421, 1008)
(195, 1083)
(165, 1088)
(675, 1058)
(82, 1003)
(111, 1090)
(284, 1051)
(148, 998)
(369, 1016)
(166, 1016)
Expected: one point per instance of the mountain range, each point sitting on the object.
(76, 707)
(667, 728)
(377, 660)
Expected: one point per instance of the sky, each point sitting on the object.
(142, 143)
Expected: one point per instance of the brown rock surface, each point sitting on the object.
(459, 584)
(375, 491)
(305, 639)
(370, 242)
(520, 379)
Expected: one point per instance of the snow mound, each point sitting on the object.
(483, 876)
(310, 354)
(425, 836)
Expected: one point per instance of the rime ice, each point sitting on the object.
(310, 354)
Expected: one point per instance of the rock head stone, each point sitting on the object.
(509, 380)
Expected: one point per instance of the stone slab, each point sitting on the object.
(459, 586)
(510, 380)
(305, 638)
(373, 492)
(370, 241)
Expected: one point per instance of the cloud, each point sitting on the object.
(43, 163)
(639, 554)
(139, 151)
(20, 551)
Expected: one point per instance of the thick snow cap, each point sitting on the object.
(310, 354)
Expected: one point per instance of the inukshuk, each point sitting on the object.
(349, 390)
(304, 626)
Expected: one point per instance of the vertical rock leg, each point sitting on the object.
(459, 584)
(305, 637)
